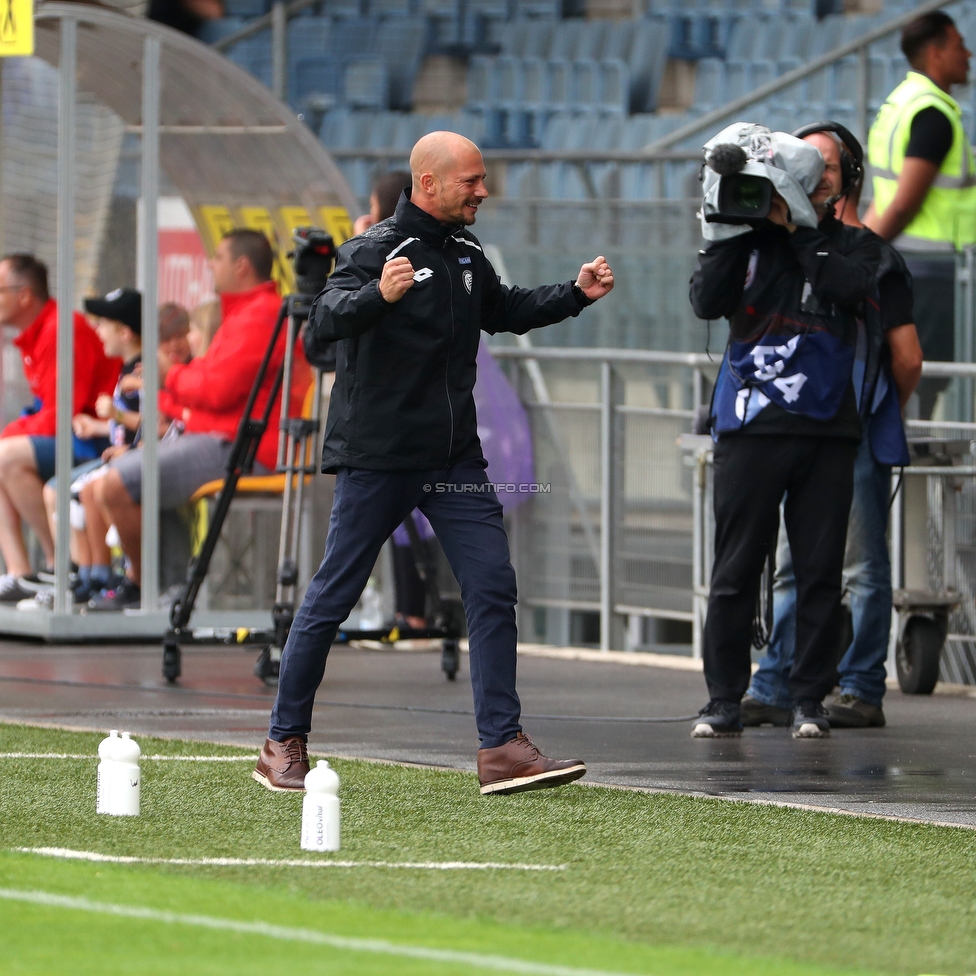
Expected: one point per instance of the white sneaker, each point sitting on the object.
(11, 592)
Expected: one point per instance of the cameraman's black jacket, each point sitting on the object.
(405, 370)
(778, 288)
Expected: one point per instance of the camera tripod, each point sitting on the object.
(297, 460)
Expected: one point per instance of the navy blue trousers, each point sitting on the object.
(467, 519)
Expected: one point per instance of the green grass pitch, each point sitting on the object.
(656, 884)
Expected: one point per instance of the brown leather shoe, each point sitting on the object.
(518, 766)
(282, 765)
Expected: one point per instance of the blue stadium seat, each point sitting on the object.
(593, 40)
(710, 89)
(744, 38)
(647, 58)
(613, 90)
(392, 8)
(566, 39)
(843, 82)
(245, 8)
(352, 36)
(407, 129)
(480, 93)
(584, 91)
(318, 78)
(380, 133)
(827, 35)
(794, 94)
(558, 85)
(797, 37)
(557, 132)
(561, 181)
(737, 79)
(400, 46)
(365, 83)
(761, 73)
(549, 9)
(308, 36)
(212, 31)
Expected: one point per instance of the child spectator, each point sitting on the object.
(204, 322)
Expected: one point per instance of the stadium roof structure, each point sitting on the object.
(224, 139)
(237, 155)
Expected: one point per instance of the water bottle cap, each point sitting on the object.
(107, 747)
(322, 778)
(127, 750)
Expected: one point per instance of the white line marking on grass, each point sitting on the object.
(375, 946)
(71, 755)
(284, 863)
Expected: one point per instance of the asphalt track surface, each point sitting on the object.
(399, 706)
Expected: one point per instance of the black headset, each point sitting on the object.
(851, 162)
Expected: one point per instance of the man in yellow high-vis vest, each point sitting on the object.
(924, 181)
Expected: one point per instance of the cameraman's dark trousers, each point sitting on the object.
(753, 472)
(466, 516)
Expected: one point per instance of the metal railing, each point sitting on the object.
(611, 533)
(623, 527)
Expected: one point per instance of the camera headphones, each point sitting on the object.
(851, 160)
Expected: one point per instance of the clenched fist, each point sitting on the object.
(396, 280)
(595, 279)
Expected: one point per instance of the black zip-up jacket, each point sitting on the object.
(405, 370)
(810, 279)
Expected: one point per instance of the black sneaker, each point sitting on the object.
(753, 713)
(810, 720)
(11, 590)
(718, 719)
(847, 711)
(126, 596)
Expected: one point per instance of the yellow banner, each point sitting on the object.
(16, 28)
(214, 220)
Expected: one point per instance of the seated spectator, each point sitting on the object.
(207, 396)
(27, 445)
(174, 333)
(383, 199)
(118, 323)
(204, 322)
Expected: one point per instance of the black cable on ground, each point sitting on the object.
(334, 704)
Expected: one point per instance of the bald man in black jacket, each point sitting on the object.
(406, 307)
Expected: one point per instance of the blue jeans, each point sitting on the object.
(467, 520)
(867, 577)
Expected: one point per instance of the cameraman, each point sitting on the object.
(406, 306)
(786, 421)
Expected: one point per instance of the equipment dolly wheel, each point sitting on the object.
(171, 662)
(918, 654)
(450, 658)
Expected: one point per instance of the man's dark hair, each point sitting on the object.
(29, 272)
(388, 188)
(253, 245)
(922, 31)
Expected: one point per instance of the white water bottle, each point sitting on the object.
(320, 809)
(118, 775)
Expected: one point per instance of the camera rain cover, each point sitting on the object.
(793, 166)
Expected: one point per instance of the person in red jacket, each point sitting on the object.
(206, 399)
(27, 444)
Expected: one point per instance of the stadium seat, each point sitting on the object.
(212, 31)
(245, 8)
(558, 85)
(400, 46)
(844, 82)
(584, 86)
(614, 87)
(710, 89)
(548, 9)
